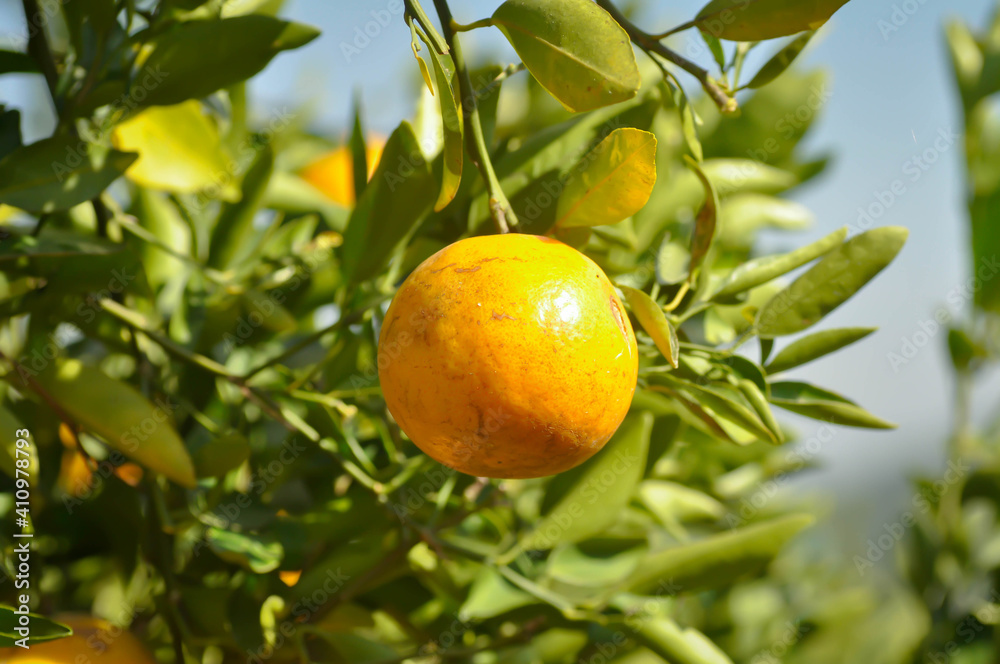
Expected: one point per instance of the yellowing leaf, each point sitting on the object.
(654, 322)
(118, 413)
(179, 150)
(757, 20)
(611, 182)
(573, 48)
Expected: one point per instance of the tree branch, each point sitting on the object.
(651, 45)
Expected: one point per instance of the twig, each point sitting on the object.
(651, 45)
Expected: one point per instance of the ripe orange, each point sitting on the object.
(333, 172)
(508, 356)
(94, 641)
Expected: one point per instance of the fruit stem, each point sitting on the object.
(500, 209)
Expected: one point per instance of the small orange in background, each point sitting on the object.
(94, 641)
(508, 356)
(333, 172)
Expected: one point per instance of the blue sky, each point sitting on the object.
(892, 101)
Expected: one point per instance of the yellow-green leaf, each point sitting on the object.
(573, 48)
(180, 151)
(611, 182)
(655, 322)
(452, 155)
(120, 415)
(757, 20)
(594, 501)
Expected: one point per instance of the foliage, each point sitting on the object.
(214, 318)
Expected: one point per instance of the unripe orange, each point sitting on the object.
(508, 356)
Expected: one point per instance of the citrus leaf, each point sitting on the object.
(593, 502)
(400, 193)
(452, 126)
(118, 413)
(676, 644)
(195, 58)
(40, 628)
(746, 213)
(820, 404)
(774, 67)
(716, 561)
(57, 173)
(573, 48)
(179, 150)
(9, 449)
(221, 455)
(757, 20)
(689, 120)
(831, 282)
(233, 237)
(655, 322)
(671, 501)
(724, 402)
(759, 271)
(611, 182)
(735, 175)
(755, 396)
(491, 595)
(248, 551)
(815, 346)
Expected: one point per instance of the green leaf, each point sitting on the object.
(721, 400)
(611, 182)
(689, 120)
(492, 595)
(759, 271)
(13, 62)
(9, 449)
(453, 152)
(399, 195)
(196, 58)
(41, 629)
(715, 46)
(233, 237)
(815, 346)
(359, 152)
(747, 213)
(757, 20)
(180, 150)
(820, 404)
(593, 502)
(248, 551)
(572, 566)
(672, 502)
(655, 322)
(118, 413)
(676, 644)
(774, 67)
(55, 244)
(57, 173)
(716, 561)
(755, 396)
(573, 48)
(221, 455)
(736, 175)
(831, 282)
(672, 260)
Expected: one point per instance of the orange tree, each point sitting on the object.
(193, 431)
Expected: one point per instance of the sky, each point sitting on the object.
(893, 101)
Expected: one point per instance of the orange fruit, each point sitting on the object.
(94, 641)
(508, 356)
(333, 173)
